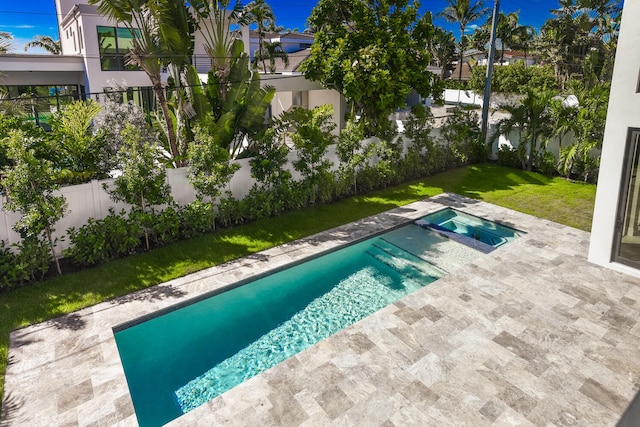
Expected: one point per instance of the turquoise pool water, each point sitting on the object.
(183, 358)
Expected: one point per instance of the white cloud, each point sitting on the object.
(19, 27)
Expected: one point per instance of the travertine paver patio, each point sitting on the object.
(530, 334)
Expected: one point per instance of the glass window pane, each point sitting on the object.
(125, 40)
(627, 250)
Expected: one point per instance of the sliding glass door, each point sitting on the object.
(627, 240)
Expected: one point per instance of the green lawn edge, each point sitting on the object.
(556, 199)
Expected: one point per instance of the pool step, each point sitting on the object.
(403, 262)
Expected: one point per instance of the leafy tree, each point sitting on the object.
(29, 185)
(373, 53)
(462, 138)
(311, 134)
(532, 118)
(143, 181)
(423, 155)
(353, 154)
(514, 78)
(463, 12)
(162, 35)
(45, 42)
(210, 167)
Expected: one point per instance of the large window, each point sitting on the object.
(140, 96)
(40, 102)
(114, 44)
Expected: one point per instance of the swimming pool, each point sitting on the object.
(182, 358)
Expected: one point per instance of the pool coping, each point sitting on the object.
(67, 371)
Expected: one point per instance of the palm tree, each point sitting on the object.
(463, 12)
(5, 42)
(214, 19)
(260, 13)
(45, 42)
(564, 119)
(532, 118)
(510, 31)
(162, 34)
(273, 51)
(442, 47)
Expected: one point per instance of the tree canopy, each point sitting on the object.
(374, 53)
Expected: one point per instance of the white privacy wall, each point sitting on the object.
(90, 200)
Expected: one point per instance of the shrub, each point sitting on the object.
(545, 163)
(461, 132)
(508, 156)
(195, 219)
(99, 240)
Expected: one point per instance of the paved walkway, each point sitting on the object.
(530, 334)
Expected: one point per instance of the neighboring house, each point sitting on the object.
(513, 56)
(93, 53)
(466, 72)
(615, 231)
(290, 42)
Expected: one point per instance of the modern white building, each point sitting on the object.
(615, 231)
(93, 53)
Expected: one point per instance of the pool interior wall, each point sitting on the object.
(181, 359)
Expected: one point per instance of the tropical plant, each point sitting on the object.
(532, 118)
(81, 153)
(463, 12)
(564, 116)
(45, 42)
(588, 129)
(235, 121)
(162, 35)
(143, 181)
(214, 19)
(373, 53)
(29, 185)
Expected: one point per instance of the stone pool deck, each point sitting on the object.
(530, 334)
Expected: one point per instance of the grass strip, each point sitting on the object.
(555, 199)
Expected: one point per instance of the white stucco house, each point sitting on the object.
(615, 231)
(93, 51)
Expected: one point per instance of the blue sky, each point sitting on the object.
(27, 18)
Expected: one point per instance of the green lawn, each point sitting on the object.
(555, 199)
